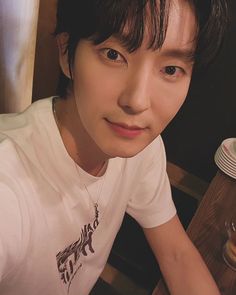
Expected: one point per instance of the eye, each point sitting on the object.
(113, 55)
(170, 70)
(173, 72)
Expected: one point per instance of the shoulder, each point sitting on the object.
(150, 200)
(11, 123)
(146, 170)
(20, 131)
(155, 150)
(153, 156)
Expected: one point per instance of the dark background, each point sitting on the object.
(209, 114)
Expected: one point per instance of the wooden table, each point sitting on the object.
(207, 231)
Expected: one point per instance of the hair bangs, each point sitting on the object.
(129, 25)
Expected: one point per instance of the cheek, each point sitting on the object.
(169, 101)
(97, 86)
(176, 100)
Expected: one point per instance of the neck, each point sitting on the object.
(79, 145)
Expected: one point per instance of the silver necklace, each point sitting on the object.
(54, 110)
(95, 203)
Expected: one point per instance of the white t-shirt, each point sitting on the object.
(52, 240)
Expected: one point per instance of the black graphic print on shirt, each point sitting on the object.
(69, 260)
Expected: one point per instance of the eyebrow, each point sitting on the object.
(186, 55)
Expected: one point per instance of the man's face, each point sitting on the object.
(124, 100)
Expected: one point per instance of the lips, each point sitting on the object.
(125, 130)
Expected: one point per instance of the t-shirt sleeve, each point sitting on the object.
(151, 202)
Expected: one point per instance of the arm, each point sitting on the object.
(181, 264)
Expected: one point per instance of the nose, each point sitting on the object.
(135, 98)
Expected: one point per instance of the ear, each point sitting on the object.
(62, 41)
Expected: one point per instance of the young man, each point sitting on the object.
(71, 166)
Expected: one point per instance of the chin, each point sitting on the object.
(124, 152)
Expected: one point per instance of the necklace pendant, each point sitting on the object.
(96, 219)
(96, 210)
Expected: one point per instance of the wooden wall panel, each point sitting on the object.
(46, 60)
